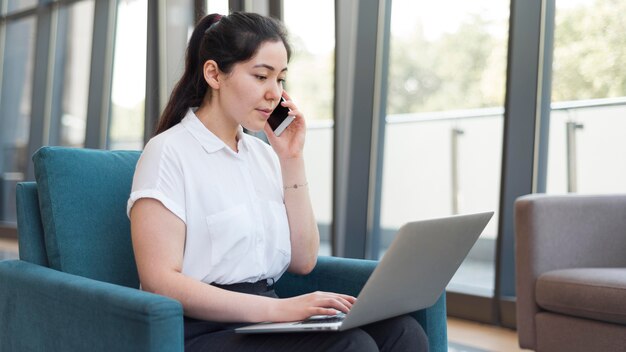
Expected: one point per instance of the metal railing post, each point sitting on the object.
(454, 169)
(572, 176)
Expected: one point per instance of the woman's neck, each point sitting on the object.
(216, 121)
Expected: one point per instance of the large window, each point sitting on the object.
(310, 83)
(217, 6)
(15, 110)
(74, 62)
(443, 141)
(128, 93)
(587, 145)
(19, 5)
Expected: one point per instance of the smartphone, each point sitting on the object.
(280, 119)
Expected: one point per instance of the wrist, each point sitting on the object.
(292, 158)
(271, 308)
(295, 186)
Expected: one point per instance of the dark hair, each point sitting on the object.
(227, 40)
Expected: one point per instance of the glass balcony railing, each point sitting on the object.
(444, 163)
(318, 155)
(587, 148)
(452, 159)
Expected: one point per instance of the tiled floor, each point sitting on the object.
(457, 347)
(482, 337)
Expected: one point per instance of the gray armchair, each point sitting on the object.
(571, 272)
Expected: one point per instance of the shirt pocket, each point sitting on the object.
(230, 233)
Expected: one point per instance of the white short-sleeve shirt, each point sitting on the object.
(231, 203)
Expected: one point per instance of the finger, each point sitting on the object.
(286, 96)
(323, 311)
(335, 303)
(298, 117)
(291, 105)
(293, 109)
(343, 300)
(348, 298)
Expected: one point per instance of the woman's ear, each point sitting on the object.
(211, 74)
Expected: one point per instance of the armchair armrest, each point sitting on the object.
(348, 276)
(558, 232)
(42, 309)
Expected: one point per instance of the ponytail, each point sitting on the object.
(225, 39)
(191, 88)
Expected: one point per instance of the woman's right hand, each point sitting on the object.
(305, 306)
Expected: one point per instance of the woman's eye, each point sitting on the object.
(281, 81)
(261, 78)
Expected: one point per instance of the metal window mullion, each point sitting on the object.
(153, 70)
(236, 5)
(277, 9)
(545, 85)
(40, 98)
(163, 88)
(525, 107)
(58, 67)
(101, 74)
(356, 126)
(379, 123)
(199, 10)
(345, 33)
(3, 24)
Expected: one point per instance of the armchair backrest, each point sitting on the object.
(82, 196)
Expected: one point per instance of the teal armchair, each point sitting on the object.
(75, 286)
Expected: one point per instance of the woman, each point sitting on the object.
(217, 216)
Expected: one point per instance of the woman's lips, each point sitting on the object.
(265, 112)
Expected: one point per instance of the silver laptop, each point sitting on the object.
(411, 275)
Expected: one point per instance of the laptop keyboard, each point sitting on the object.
(332, 319)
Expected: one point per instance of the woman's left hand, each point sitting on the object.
(290, 144)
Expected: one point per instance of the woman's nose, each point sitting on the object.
(274, 92)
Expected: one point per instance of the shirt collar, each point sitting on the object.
(209, 141)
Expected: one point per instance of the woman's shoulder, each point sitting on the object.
(166, 146)
(172, 138)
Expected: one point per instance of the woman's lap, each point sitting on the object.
(397, 334)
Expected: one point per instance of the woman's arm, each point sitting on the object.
(305, 238)
(158, 242)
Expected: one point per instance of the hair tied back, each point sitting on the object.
(217, 19)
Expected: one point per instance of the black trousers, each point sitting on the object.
(402, 333)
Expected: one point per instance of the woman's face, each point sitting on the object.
(251, 91)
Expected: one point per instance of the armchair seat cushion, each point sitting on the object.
(594, 293)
